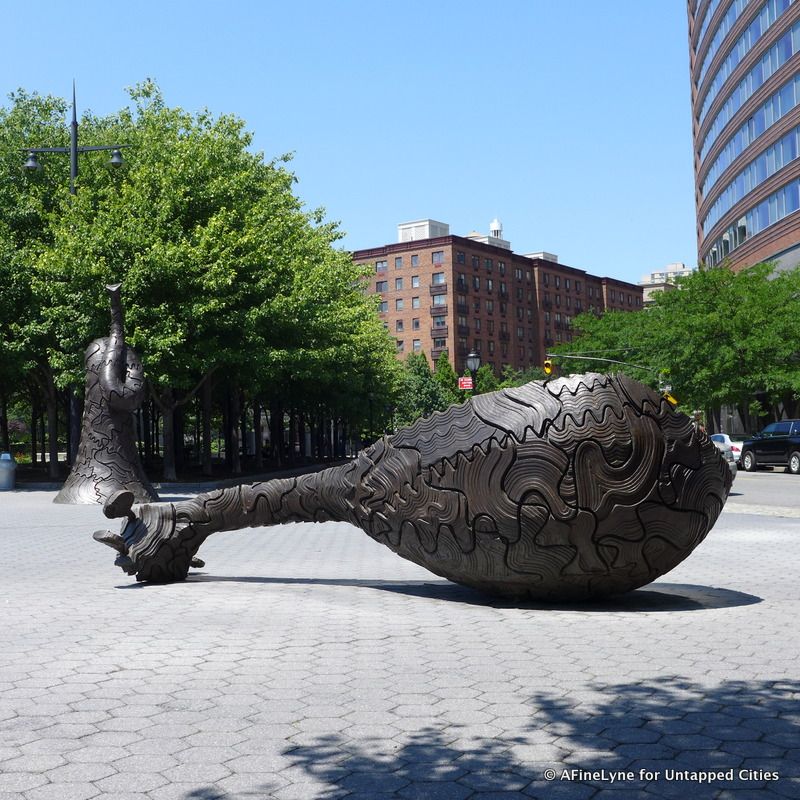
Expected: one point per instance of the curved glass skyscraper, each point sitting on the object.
(745, 71)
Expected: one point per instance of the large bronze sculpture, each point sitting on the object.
(569, 489)
(108, 459)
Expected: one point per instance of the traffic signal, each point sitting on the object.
(548, 367)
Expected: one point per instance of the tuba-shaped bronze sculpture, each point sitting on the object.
(568, 489)
(108, 459)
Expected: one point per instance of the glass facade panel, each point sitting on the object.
(774, 58)
(777, 106)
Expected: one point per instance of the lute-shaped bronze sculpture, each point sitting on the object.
(108, 459)
(569, 489)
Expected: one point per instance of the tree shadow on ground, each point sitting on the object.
(662, 732)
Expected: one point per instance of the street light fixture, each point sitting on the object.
(33, 162)
(473, 362)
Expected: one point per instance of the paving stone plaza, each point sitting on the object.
(307, 661)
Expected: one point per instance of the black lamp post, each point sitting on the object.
(32, 162)
(473, 362)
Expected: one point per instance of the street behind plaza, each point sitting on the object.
(307, 661)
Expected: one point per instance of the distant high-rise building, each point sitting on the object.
(663, 280)
(745, 75)
(453, 294)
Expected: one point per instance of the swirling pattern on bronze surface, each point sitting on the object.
(108, 459)
(569, 489)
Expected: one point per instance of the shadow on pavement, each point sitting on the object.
(661, 731)
(654, 597)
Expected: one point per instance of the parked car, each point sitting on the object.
(727, 452)
(736, 447)
(777, 445)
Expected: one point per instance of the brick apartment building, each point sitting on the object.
(453, 294)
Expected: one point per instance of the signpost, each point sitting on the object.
(465, 383)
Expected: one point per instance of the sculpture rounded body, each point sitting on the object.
(108, 459)
(575, 488)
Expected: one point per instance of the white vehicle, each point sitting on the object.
(736, 447)
(726, 449)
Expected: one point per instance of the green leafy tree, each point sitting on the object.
(225, 275)
(447, 379)
(485, 380)
(419, 393)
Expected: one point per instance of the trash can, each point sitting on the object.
(8, 470)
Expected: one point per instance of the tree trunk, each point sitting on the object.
(34, 429)
(276, 430)
(205, 401)
(179, 426)
(168, 428)
(257, 435)
(301, 434)
(52, 428)
(235, 444)
(75, 416)
(5, 441)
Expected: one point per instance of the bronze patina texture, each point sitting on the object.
(108, 460)
(569, 489)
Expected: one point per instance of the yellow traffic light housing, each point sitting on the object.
(548, 366)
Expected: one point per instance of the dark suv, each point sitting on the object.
(777, 445)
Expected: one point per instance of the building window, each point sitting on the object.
(558, 281)
(415, 302)
(490, 347)
(398, 262)
(490, 327)
(415, 281)
(567, 283)
(487, 262)
(501, 267)
(380, 266)
(577, 286)
(520, 312)
(381, 286)
(489, 284)
(439, 344)
(477, 324)
(503, 308)
(546, 279)
(440, 299)
(415, 261)
(546, 317)
(398, 325)
(569, 301)
(398, 304)
(384, 306)
(476, 282)
(415, 324)
(437, 278)
(630, 300)
(558, 299)
(398, 283)
(401, 345)
(437, 256)
(478, 345)
(490, 306)
(518, 274)
(520, 333)
(440, 322)
(417, 345)
(519, 293)
(476, 261)
(460, 257)
(613, 295)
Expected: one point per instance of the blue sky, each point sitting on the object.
(570, 122)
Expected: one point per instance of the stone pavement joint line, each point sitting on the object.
(307, 661)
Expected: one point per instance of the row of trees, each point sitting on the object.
(235, 295)
(723, 339)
